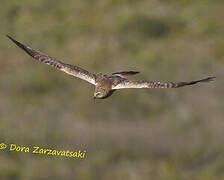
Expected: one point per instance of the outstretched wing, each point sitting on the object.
(67, 68)
(124, 83)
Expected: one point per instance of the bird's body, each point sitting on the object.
(105, 84)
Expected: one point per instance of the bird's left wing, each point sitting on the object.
(67, 68)
(124, 83)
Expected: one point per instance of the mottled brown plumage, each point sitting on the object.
(105, 84)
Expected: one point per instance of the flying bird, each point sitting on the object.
(105, 84)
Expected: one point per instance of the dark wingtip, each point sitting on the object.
(13, 40)
(134, 72)
(10, 38)
(130, 72)
(208, 79)
(28, 50)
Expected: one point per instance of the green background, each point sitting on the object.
(164, 134)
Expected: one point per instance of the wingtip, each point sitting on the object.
(133, 72)
(13, 40)
(136, 72)
(17, 43)
(212, 78)
(209, 79)
(8, 36)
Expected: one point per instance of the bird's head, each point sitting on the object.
(100, 93)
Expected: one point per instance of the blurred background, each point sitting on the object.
(160, 134)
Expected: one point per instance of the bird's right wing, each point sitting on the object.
(67, 68)
(146, 84)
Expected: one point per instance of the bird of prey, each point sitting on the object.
(105, 84)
